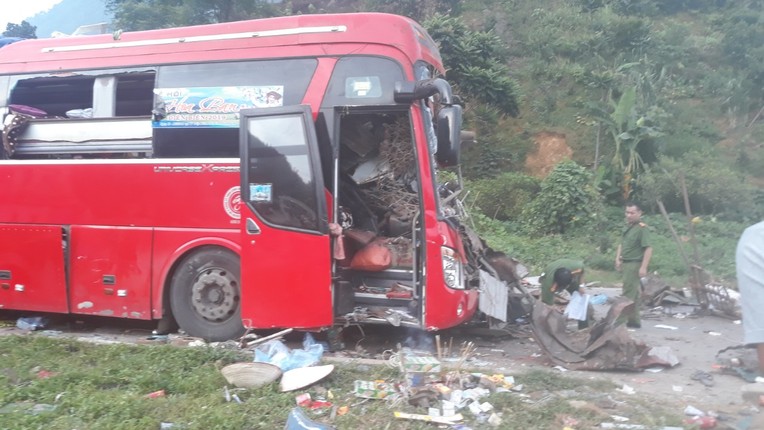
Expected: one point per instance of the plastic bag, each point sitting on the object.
(577, 307)
(32, 323)
(599, 299)
(80, 113)
(297, 420)
(276, 353)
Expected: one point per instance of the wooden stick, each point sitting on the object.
(466, 351)
(673, 233)
(437, 345)
(698, 289)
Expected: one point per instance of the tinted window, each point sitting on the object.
(280, 176)
(196, 105)
(363, 81)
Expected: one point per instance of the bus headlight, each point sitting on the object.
(452, 269)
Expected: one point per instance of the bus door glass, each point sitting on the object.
(286, 261)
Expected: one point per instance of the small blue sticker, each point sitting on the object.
(261, 192)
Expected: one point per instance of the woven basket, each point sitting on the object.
(250, 374)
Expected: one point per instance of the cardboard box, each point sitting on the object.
(421, 364)
(373, 389)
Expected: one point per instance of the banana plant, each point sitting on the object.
(630, 128)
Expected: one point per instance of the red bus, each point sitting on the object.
(193, 175)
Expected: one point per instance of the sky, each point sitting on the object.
(23, 10)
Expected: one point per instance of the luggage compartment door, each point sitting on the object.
(111, 271)
(32, 274)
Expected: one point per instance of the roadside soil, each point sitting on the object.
(694, 340)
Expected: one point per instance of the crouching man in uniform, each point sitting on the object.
(559, 275)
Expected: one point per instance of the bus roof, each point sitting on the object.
(228, 40)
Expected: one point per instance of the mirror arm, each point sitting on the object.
(407, 92)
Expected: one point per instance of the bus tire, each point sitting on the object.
(205, 294)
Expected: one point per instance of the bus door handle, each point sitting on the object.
(252, 227)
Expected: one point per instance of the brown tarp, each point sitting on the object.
(606, 345)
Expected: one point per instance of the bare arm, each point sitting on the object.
(618, 258)
(645, 261)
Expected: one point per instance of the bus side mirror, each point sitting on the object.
(449, 132)
(409, 91)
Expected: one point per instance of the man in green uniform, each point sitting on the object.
(562, 274)
(632, 257)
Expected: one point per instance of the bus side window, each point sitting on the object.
(87, 95)
(134, 94)
(103, 113)
(54, 95)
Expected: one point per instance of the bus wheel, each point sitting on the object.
(205, 295)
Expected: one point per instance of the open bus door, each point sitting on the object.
(286, 258)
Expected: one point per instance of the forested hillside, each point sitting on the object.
(579, 105)
(642, 91)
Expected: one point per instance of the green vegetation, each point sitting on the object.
(61, 384)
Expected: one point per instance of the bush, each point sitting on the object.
(567, 199)
(505, 196)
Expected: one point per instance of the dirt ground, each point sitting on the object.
(695, 341)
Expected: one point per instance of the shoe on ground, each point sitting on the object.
(634, 325)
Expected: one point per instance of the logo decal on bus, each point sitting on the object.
(232, 202)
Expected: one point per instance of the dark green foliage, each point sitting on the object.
(504, 196)
(623, 34)
(130, 15)
(418, 10)
(476, 63)
(495, 154)
(24, 30)
(743, 47)
(566, 200)
(714, 187)
(652, 7)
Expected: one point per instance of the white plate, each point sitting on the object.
(302, 377)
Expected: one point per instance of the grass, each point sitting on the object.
(60, 383)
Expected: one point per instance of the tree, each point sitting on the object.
(714, 187)
(418, 10)
(24, 30)
(476, 61)
(131, 15)
(632, 129)
(746, 55)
